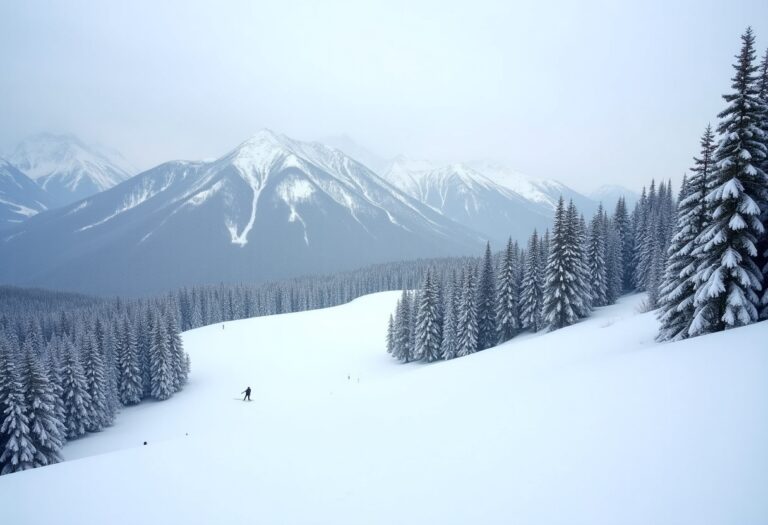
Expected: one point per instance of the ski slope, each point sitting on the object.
(592, 424)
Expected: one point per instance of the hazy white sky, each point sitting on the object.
(588, 92)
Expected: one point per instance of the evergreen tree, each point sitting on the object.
(532, 292)
(17, 451)
(467, 322)
(96, 383)
(176, 349)
(77, 400)
(486, 303)
(449, 346)
(46, 430)
(507, 294)
(160, 360)
(596, 260)
(428, 333)
(402, 346)
(53, 364)
(391, 335)
(130, 388)
(565, 291)
(679, 284)
(762, 242)
(614, 262)
(728, 278)
(623, 227)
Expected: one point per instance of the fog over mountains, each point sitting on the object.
(271, 208)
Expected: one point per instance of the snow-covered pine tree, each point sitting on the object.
(428, 336)
(17, 452)
(96, 383)
(448, 345)
(565, 290)
(176, 349)
(402, 349)
(486, 303)
(679, 285)
(596, 260)
(762, 243)
(614, 264)
(532, 288)
(623, 226)
(391, 335)
(53, 364)
(46, 430)
(728, 278)
(129, 385)
(466, 324)
(507, 296)
(77, 400)
(160, 360)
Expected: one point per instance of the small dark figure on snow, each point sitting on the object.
(247, 393)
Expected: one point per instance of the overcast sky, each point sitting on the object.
(588, 92)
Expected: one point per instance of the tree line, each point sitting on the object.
(557, 279)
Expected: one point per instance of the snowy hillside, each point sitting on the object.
(271, 208)
(594, 424)
(20, 197)
(67, 168)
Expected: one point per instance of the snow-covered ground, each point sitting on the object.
(592, 424)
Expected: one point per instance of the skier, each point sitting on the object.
(247, 393)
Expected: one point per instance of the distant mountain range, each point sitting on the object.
(67, 168)
(271, 208)
(20, 197)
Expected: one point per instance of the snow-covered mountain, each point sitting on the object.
(273, 207)
(360, 153)
(20, 197)
(470, 198)
(67, 168)
(609, 195)
(545, 192)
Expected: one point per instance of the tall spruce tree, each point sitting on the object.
(77, 400)
(17, 451)
(762, 242)
(46, 430)
(448, 345)
(596, 260)
(428, 325)
(532, 288)
(129, 385)
(623, 225)
(679, 285)
(96, 383)
(467, 322)
(486, 303)
(160, 360)
(507, 296)
(728, 277)
(565, 290)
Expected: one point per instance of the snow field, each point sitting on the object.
(594, 423)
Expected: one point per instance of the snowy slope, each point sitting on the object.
(67, 168)
(592, 424)
(271, 208)
(20, 197)
(470, 198)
